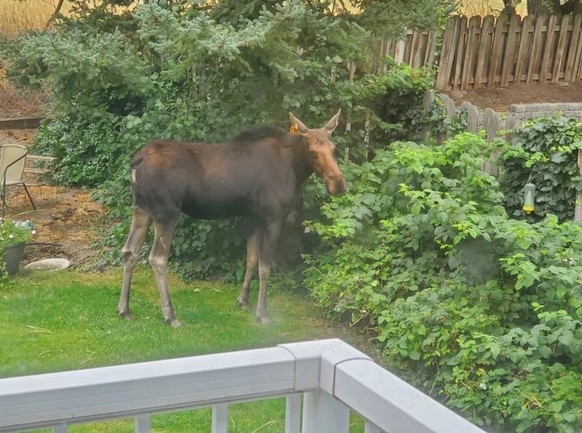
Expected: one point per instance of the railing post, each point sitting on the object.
(370, 427)
(142, 424)
(220, 418)
(293, 413)
(323, 413)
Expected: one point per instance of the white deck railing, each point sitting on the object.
(322, 381)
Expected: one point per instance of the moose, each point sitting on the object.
(257, 174)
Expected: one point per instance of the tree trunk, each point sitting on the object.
(508, 8)
(55, 14)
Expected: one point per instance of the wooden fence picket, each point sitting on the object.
(511, 50)
(484, 49)
(573, 49)
(446, 63)
(547, 47)
(497, 56)
(562, 39)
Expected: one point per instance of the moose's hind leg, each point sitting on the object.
(266, 253)
(164, 232)
(139, 227)
(252, 262)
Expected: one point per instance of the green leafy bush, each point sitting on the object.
(89, 164)
(469, 304)
(544, 152)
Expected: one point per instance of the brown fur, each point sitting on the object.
(257, 174)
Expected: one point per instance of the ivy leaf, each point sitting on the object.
(416, 208)
(545, 352)
(566, 337)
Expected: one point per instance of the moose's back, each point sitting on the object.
(209, 181)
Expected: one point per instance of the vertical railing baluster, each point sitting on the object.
(143, 423)
(293, 413)
(61, 428)
(220, 418)
(369, 427)
(323, 413)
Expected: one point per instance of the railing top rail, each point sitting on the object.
(111, 392)
(329, 366)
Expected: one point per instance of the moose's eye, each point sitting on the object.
(314, 154)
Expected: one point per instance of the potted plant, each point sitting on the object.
(13, 237)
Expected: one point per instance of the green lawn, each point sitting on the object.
(67, 320)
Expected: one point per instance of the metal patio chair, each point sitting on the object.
(12, 161)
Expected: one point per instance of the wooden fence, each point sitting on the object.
(492, 53)
(417, 49)
(488, 52)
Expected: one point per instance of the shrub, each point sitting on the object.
(89, 164)
(465, 301)
(544, 152)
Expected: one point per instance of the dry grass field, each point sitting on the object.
(16, 16)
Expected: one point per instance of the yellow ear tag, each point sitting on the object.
(293, 129)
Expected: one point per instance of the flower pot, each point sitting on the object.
(13, 254)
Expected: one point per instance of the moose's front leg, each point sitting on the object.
(266, 253)
(158, 260)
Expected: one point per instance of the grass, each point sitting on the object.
(62, 321)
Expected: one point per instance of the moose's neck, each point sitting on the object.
(300, 159)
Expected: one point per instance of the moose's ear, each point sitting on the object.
(332, 124)
(301, 128)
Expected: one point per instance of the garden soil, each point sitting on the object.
(68, 220)
(500, 99)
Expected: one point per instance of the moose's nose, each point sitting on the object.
(336, 186)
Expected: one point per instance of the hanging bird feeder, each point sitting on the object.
(529, 196)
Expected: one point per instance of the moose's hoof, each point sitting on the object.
(263, 320)
(175, 323)
(125, 315)
(243, 305)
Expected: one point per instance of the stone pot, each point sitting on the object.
(13, 256)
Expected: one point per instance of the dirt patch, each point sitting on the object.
(500, 99)
(67, 220)
(19, 101)
(23, 136)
